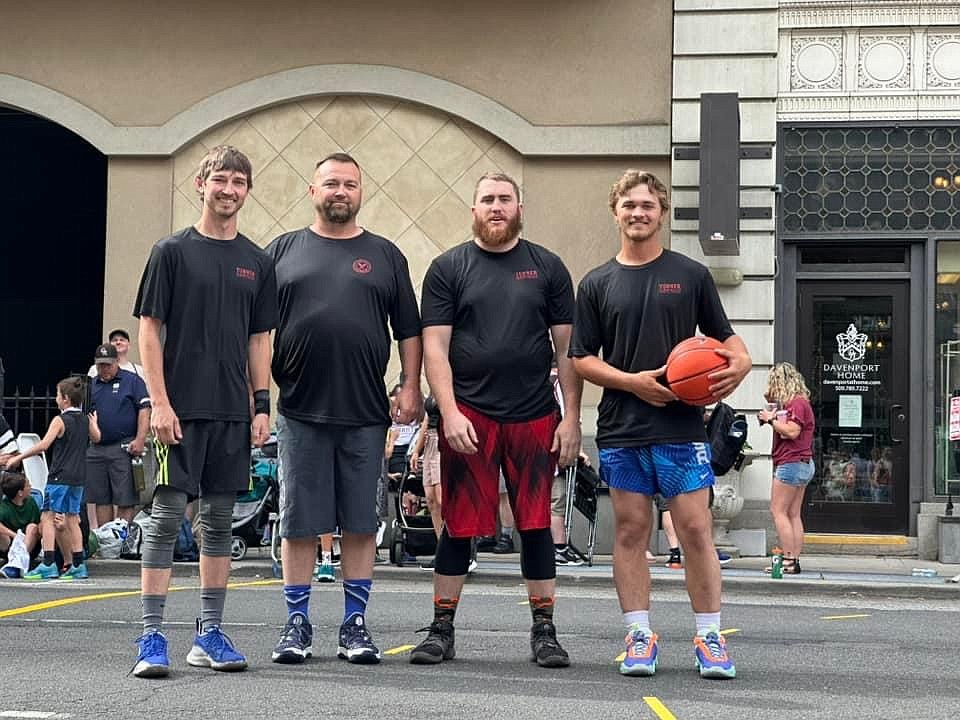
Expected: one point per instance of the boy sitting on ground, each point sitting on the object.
(18, 511)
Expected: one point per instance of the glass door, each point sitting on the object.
(854, 353)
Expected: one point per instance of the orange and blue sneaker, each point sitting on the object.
(710, 649)
(642, 651)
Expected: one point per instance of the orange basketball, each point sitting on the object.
(688, 365)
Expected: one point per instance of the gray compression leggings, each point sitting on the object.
(216, 516)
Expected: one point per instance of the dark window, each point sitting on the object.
(848, 179)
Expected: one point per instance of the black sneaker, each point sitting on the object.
(486, 543)
(545, 650)
(296, 641)
(438, 645)
(567, 557)
(356, 645)
(504, 546)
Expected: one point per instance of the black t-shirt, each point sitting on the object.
(501, 307)
(635, 315)
(211, 296)
(333, 343)
(68, 453)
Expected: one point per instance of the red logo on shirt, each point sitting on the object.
(362, 266)
(246, 273)
(670, 288)
(526, 275)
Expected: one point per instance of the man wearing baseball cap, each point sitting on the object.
(123, 414)
(120, 339)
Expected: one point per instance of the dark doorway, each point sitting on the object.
(54, 195)
(854, 352)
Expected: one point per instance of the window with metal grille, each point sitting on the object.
(870, 179)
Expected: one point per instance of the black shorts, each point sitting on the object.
(212, 458)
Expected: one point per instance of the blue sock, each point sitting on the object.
(298, 599)
(355, 596)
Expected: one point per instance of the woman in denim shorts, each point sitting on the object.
(790, 415)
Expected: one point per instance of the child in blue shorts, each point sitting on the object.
(66, 439)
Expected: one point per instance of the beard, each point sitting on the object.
(214, 204)
(337, 213)
(495, 236)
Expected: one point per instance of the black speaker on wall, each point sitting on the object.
(719, 215)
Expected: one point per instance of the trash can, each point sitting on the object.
(950, 539)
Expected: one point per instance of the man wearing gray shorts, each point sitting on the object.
(339, 287)
(120, 400)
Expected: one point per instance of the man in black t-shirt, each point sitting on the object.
(214, 294)
(340, 286)
(634, 309)
(495, 310)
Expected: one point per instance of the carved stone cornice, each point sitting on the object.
(861, 13)
(905, 106)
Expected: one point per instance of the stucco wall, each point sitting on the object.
(562, 62)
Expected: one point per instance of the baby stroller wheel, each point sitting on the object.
(238, 548)
(396, 551)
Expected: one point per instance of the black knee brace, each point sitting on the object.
(453, 555)
(537, 561)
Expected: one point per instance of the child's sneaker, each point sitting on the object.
(710, 649)
(213, 649)
(324, 573)
(152, 662)
(76, 572)
(43, 572)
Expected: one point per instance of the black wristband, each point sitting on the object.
(261, 402)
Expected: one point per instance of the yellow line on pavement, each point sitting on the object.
(37, 607)
(659, 708)
(523, 602)
(398, 650)
(844, 617)
(621, 657)
(841, 539)
(730, 631)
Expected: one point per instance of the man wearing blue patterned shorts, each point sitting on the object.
(631, 311)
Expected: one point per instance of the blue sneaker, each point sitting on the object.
(213, 649)
(76, 572)
(642, 652)
(152, 662)
(724, 559)
(296, 641)
(356, 645)
(43, 572)
(711, 652)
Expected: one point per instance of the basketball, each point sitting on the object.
(688, 366)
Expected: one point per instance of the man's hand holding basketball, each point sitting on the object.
(727, 380)
(645, 386)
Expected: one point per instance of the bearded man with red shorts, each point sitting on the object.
(496, 310)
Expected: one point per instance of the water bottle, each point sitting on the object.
(923, 572)
(776, 564)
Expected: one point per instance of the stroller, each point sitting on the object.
(412, 532)
(253, 509)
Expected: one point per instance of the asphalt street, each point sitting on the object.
(68, 646)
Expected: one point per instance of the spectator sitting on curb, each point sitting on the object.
(18, 511)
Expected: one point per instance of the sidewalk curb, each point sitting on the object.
(885, 586)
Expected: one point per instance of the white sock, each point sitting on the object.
(707, 621)
(637, 617)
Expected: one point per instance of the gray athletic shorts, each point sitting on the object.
(110, 476)
(328, 477)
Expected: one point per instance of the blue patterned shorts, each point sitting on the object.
(669, 469)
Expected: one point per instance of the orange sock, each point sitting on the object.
(445, 608)
(541, 608)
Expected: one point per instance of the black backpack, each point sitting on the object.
(726, 434)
